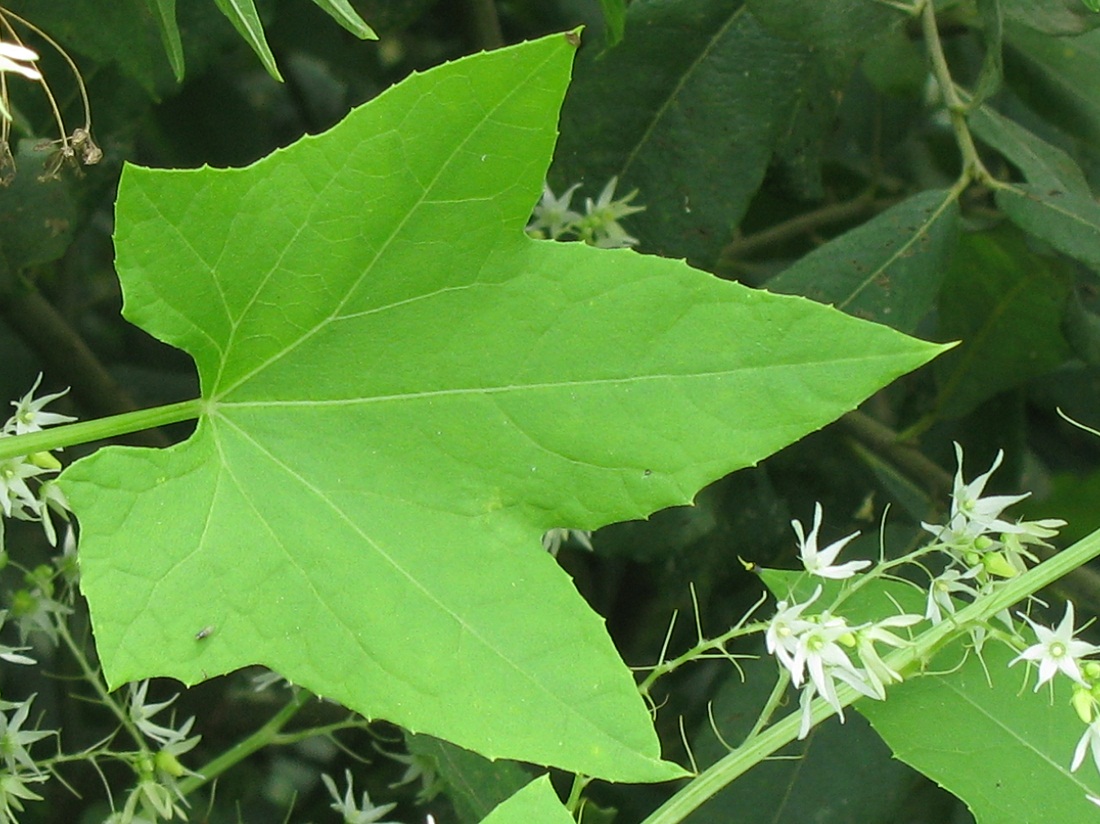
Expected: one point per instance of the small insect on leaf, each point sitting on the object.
(205, 632)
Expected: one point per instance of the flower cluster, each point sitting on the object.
(27, 489)
(157, 795)
(982, 549)
(554, 217)
(19, 770)
(818, 649)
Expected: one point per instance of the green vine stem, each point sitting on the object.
(100, 429)
(972, 166)
(267, 734)
(906, 660)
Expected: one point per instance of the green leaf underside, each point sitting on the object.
(403, 392)
(839, 25)
(1003, 749)
(535, 802)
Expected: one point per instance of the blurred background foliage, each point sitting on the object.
(797, 147)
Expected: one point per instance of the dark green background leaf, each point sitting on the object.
(1068, 222)
(834, 25)
(1042, 164)
(889, 269)
(686, 109)
(1005, 303)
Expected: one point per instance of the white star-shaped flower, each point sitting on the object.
(1057, 650)
(820, 561)
(1089, 741)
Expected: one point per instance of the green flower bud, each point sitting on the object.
(45, 460)
(169, 764)
(1084, 704)
(997, 564)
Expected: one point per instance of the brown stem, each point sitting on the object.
(742, 247)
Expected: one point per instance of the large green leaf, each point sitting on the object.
(696, 86)
(401, 393)
(889, 269)
(983, 734)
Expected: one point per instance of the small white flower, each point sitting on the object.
(553, 215)
(18, 59)
(878, 674)
(785, 628)
(941, 588)
(29, 416)
(819, 655)
(554, 538)
(142, 714)
(364, 813)
(1057, 650)
(600, 225)
(14, 740)
(1089, 741)
(14, 790)
(972, 515)
(16, 498)
(820, 561)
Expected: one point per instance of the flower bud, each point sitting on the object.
(45, 460)
(997, 564)
(1084, 704)
(169, 764)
